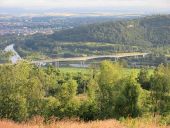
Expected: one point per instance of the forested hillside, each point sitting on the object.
(147, 30)
(144, 34)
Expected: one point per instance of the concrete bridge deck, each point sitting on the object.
(117, 56)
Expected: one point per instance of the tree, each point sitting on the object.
(21, 91)
(13, 107)
(66, 93)
(82, 81)
(92, 88)
(127, 104)
(13, 103)
(160, 90)
(109, 75)
(144, 79)
(89, 110)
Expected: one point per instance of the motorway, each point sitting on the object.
(116, 56)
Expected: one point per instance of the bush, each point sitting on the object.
(14, 108)
(127, 104)
(89, 110)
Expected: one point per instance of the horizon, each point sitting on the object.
(85, 6)
(158, 4)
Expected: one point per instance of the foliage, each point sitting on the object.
(108, 92)
(143, 30)
(160, 90)
(143, 78)
(127, 104)
(109, 75)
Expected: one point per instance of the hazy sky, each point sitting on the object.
(164, 4)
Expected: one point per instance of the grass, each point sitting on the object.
(145, 122)
(85, 70)
(73, 70)
(65, 124)
(111, 123)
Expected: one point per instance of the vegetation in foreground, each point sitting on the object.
(38, 122)
(64, 124)
(104, 93)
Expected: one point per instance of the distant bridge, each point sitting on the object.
(83, 59)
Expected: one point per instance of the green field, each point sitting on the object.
(85, 70)
(73, 70)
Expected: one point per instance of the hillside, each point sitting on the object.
(145, 34)
(148, 30)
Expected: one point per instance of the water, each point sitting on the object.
(79, 65)
(15, 57)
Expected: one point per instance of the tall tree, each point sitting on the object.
(109, 75)
(160, 90)
(144, 79)
(127, 104)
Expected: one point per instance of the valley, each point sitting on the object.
(85, 71)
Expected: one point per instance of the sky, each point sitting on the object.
(155, 4)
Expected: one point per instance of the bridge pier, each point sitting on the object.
(82, 64)
(57, 64)
(144, 56)
(136, 57)
(116, 59)
(39, 64)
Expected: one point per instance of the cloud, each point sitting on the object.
(86, 3)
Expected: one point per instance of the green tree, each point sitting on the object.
(66, 91)
(92, 88)
(13, 103)
(109, 75)
(82, 81)
(144, 78)
(66, 94)
(13, 107)
(127, 104)
(160, 90)
(89, 110)
(20, 87)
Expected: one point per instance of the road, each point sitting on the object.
(119, 55)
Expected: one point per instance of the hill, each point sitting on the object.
(144, 34)
(147, 30)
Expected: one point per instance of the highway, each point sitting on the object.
(116, 56)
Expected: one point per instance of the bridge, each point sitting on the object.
(83, 59)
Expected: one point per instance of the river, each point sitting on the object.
(15, 57)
